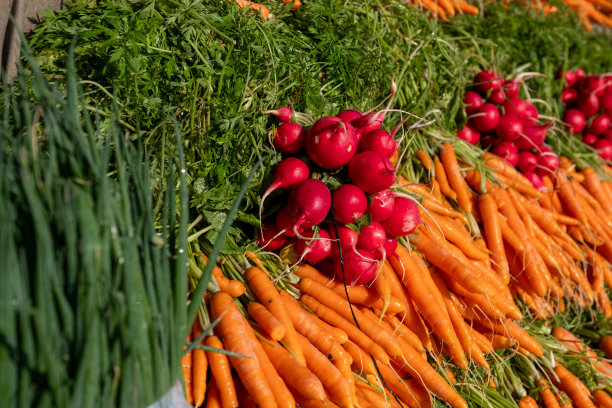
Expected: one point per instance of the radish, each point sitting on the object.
(588, 104)
(509, 127)
(489, 140)
(486, 117)
(314, 249)
(605, 100)
(323, 122)
(349, 202)
(472, 101)
(349, 115)
(527, 161)
(497, 97)
(288, 173)
(270, 237)
(570, 77)
(575, 120)
(607, 135)
(508, 152)
(593, 85)
(604, 148)
(589, 139)
(348, 238)
(569, 96)
(532, 137)
(579, 74)
(284, 113)
(547, 159)
(379, 140)
(308, 205)
(374, 120)
(372, 237)
(521, 108)
(485, 80)
(381, 206)
(360, 267)
(511, 89)
(469, 134)
(387, 249)
(286, 220)
(333, 146)
(599, 124)
(535, 179)
(371, 171)
(289, 138)
(404, 219)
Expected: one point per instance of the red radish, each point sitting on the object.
(404, 219)
(469, 134)
(360, 267)
(387, 249)
(372, 237)
(327, 265)
(604, 148)
(486, 117)
(270, 238)
(508, 152)
(378, 140)
(534, 178)
(607, 134)
(314, 249)
(333, 146)
(371, 171)
(374, 120)
(289, 138)
(497, 97)
(599, 124)
(530, 114)
(489, 140)
(589, 139)
(349, 202)
(521, 108)
(323, 122)
(308, 205)
(286, 220)
(381, 206)
(588, 104)
(511, 89)
(570, 77)
(289, 172)
(349, 115)
(575, 120)
(548, 160)
(284, 113)
(579, 74)
(593, 84)
(472, 101)
(569, 96)
(509, 127)
(532, 137)
(606, 100)
(485, 80)
(527, 161)
(347, 236)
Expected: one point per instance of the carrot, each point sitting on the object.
(573, 342)
(404, 332)
(548, 397)
(455, 179)
(463, 7)
(268, 295)
(361, 359)
(213, 400)
(494, 236)
(449, 264)
(234, 287)
(603, 398)
(568, 197)
(200, 367)
(512, 330)
(382, 286)
(244, 398)
(330, 299)
(187, 364)
(460, 237)
(442, 180)
(499, 341)
(434, 206)
(356, 335)
(263, 10)
(594, 186)
(573, 387)
(605, 345)
(511, 175)
(331, 378)
(292, 371)
(268, 322)
(364, 296)
(372, 396)
(422, 294)
(424, 158)
(306, 271)
(447, 6)
(233, 328)
(510, 236)
(564, 401)
(399, 387)
(528, 402)
(221, 372)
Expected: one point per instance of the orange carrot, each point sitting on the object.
(424, 158)
(213, 400)
(569, 198)
(364, 296)
(233, 328)
(455, 179)
(404, 332)
(594, 186)
(463, 7)
(605, 345)
(548, 397)
(574, 388)
(187, 363)
(442, 180)
(574, 343)
(221, 372)
(528, 402)
(263, 10)
(268, 295)
(512, 330)
(200, 367)
(603, 398)
(382, 286)
(234, 287)
(510, 175)
(494, 236)
(268, 322)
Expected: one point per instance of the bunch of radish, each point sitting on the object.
(507, 124)
(588, 101)
(363, 213)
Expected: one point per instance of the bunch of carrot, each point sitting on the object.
(443, 9)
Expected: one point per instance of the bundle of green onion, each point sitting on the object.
(92, 296)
